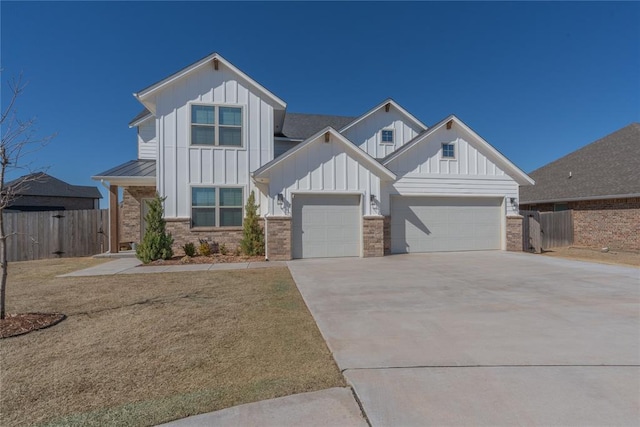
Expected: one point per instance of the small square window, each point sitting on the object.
(448, 151)
(387, 136)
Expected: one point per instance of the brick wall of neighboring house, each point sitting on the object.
(182, 233)
(613, 223)
(514, 233)
(386, 235)
(131, 212)
(372, 236)
(278, 238)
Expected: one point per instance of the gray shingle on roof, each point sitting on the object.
(302, 126)
(42, 184)
(132, 168)
(606, 167)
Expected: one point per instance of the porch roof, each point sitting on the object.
(133, 172)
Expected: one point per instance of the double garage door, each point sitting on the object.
(441, 224)
(326, 226)
(330, 225)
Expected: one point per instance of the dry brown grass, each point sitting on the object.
(596, 255)
(144, 349)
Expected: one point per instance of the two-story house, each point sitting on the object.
(327, 186)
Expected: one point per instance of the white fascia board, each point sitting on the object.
(372, 163)
(148, 91)
(407, 114)
(127, 180)
(516, 173)
(141, 120)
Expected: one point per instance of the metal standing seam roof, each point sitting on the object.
(606, 167)
(130, 169)
(42, 184)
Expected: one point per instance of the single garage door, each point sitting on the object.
(440, 224)
(326, 226)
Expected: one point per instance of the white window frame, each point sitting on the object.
(216, 207)
(393, 137)
(455, 149)
(216, 125)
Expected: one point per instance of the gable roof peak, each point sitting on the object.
(386, 104)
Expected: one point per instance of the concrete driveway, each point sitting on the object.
(481, 338)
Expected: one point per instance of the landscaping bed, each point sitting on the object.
(210, 259)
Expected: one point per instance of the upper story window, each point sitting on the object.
(216, 125)
(448, 151)
(387, 136)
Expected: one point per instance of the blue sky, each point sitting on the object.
(536, 80)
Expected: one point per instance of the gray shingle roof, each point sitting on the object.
(302, 126)
(606, 167)
(132, 168)
(42, 184)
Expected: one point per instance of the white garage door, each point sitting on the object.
(326, 226)
(440, 224)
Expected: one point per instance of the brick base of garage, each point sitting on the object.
(372, 236)
(278, 239)
(514, 233)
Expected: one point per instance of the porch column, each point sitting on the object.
(114, 232)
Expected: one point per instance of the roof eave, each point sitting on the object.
(578, 199)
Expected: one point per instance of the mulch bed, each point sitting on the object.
(211, 259)
(19, 324)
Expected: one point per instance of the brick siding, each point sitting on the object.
(279, 238)
(372, 236)
(131, 212)
(182, 233)
(514, 233)
(387, 235)
(613, 223)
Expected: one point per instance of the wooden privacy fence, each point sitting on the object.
(546, 230)
(54, 234)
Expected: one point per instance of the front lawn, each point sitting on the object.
(145, 349)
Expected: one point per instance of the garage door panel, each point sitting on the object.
(433, 224)
(326, 226)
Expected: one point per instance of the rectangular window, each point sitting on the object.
(216, 207)
(387, 136)
(448, 151)
(225, 131)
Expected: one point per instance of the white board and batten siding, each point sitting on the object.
(182, 165)
(423, 171)
(367, 133)
(147, 141)
(322, 167)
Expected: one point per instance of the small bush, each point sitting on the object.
(238, 251)
(189, 249)
(253, 236)
(204, 248)
(223, 249)
(156, 243)
(215, 247)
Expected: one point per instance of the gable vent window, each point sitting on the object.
(448, 151)
(387, 136)
(216, 125)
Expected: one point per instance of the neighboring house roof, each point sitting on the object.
(383, 104)
(42, 184)
(302, 126)
(131, 172)
(140, 117)
(511, 169)
(606, 168)
(375, 167)
(215, 58)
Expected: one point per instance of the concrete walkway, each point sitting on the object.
(331, 407)
(134, 266)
